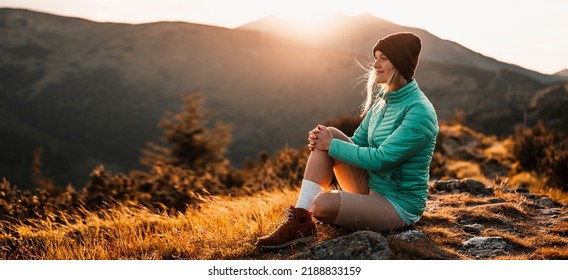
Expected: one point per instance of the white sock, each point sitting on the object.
(308, 191)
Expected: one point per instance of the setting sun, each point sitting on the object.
(310, 12)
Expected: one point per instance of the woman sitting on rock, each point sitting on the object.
(383, 169)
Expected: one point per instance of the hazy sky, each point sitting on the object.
(532, 34)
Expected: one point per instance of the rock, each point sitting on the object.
(541, 201)
(410, 235)
(495, 200)
(560, 219)
(360, 245)
(485, 247)
(473, 228)
(494, 168)
(545, 202)
(522, 190)
(466, 185)
(552, 212)
(506, 222)
(529, 195)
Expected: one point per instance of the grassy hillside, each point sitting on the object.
(227, 228)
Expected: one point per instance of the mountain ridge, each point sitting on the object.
(436, 49)
(563, 72)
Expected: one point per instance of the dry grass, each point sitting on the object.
(499, 150)
(424, 249)
(533, 183)
(548, 253)
(464, 169)
(227, 228)
(554, 193)
(224, 228)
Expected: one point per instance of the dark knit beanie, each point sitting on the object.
(403, 50)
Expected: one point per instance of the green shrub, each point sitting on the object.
(543, 150)
(190, 142)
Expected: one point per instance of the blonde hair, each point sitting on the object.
(378, 92)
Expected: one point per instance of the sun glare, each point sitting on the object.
(304, 16)
(307, 12)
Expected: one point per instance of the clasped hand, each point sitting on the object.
(319, 138)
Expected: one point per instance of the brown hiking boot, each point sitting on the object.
(299, 227)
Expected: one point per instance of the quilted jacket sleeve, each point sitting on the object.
(415, 131)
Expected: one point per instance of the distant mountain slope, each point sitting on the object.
(563, 73)
(357, 34)
(92, 93)
(454, 77)
(550, 104)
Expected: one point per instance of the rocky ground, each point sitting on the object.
(465, 219)
(489, 213)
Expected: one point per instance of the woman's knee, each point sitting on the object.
(338, 134)
(325, 206)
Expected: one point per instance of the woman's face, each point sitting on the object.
(383, 68)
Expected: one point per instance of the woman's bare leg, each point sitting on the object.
(317, 174)
(319, 168)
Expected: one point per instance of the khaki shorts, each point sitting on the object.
(360, 208)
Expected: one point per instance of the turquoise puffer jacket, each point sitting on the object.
(395, 145)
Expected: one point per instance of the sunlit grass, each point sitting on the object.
(222, 228)
(226, 227)
(464, 169)
(553, 193)
(533, 183)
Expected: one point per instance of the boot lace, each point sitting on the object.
(289, 213)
